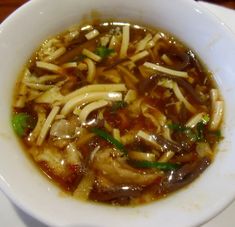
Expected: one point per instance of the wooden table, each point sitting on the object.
(226, 3)
(8, 6)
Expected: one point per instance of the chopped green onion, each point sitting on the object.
(118, 105)
(81, 57)
(21, 122)
(158, 165)
(103, 51)
(200, 131)
(217, 135)
(176, 127)
(191, 134)
(106, 136)
(205, 119)
(194, 134)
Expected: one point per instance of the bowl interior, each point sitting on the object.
(22, 32)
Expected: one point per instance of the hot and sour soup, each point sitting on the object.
(117, 113)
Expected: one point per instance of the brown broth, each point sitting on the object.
(105, 158)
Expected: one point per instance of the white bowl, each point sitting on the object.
(23, 31)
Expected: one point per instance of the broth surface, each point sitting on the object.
(117, 113)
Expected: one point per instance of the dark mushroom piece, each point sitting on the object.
(117, 194)
(167, 144)
(180, 60)
(195, 61)
(149, 83)
(179, 178)
(185, 175)
(189, 88)
(77, 50)
(113, 65)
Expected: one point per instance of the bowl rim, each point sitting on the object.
(27, 6)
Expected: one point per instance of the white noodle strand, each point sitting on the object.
(125, 41)
(47, 124)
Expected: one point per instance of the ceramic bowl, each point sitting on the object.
(21, 34)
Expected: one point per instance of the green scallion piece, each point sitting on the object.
(106, 136)
(21, 122)
(158, 165)
(103, 51)
(118, 105)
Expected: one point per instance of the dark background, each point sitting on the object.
(226, 3)
(8, 6)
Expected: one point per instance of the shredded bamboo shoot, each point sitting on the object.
(192, 122)
(139, 56)
(94, 88)
(91, 107)
(89, 97)
(91, 70)
(59, 52)
(91, 55)
(92, 34)
(181, 98)
(47, 124)
(148, 138)
(166, 70)
(49, 66)
(125, 41)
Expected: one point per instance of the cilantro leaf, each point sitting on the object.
(103, 51)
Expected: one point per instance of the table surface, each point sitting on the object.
(20, 219)
(8, 6)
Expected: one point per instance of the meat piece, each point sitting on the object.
(65, 166)
(110, 164)
(64, 129)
